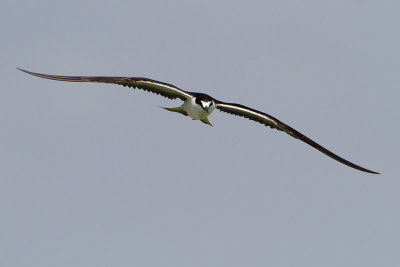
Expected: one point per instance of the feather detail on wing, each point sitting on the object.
(268, 120)
(160, 88)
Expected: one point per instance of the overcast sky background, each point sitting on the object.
(99, 175)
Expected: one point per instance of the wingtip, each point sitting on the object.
(22, 70)
(369, 171)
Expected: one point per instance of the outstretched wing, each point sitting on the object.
(268, 120)
(160, 88)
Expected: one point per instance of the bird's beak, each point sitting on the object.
(208, 107)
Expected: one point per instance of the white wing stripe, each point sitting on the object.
(166, 87)
(249, 111)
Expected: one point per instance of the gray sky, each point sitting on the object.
(98, 175)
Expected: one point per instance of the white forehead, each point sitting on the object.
(205, 103)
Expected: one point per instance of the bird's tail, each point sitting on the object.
(176, 109)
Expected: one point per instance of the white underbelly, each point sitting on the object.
(195, 111)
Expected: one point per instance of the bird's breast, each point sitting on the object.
(195, 111)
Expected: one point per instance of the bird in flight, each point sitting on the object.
(199, 106)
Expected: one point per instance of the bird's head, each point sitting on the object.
(206, 102)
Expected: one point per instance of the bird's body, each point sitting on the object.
(199, 106)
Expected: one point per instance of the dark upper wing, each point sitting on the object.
(272, 122)
(160, 88)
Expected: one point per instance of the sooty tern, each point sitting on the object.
(199, 106)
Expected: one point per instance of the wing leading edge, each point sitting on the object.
(160, 88)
